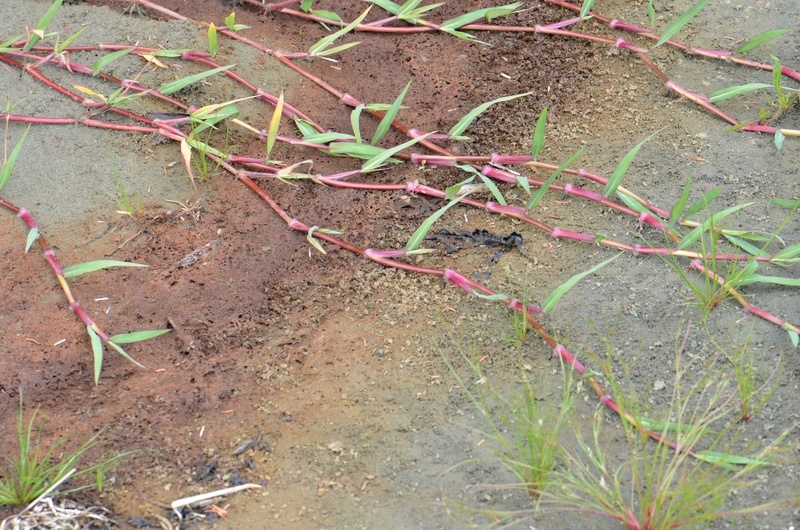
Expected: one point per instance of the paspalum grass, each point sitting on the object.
(247, 168)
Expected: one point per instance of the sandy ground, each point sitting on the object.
(333, 367)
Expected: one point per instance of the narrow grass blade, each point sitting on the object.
(337, 49)
(651, 13)
(794, 337)
(8, 165)
(70, 39)
(524, 184)
(419, 234)
(586, 7)
(679, 207)
(323, 43)
(776, 280)
(378, 160)
(744, 245)
(668, 426)
(760, 39)
(553, 298)
(169, 53)
(681, 21)
(788, 252)
(91, 266)
(499, 297)
(498, 196)
(777, 73)
(619, 173)
(305, 127)
(388, 118)
(108, 59)
(731, 91)
(97, 351)
(174, 86)
(538, 134)
(728, 461)
(355, 122)
(702, 203)
(467, 120)
(364, 151)
(7, 45)
(488, 13)
(124, 353)
(327, 15)
(137, 336)
(785, 203)
(274, 123)
(213, 41)
(45, 21)
(306, 5)
(387, 5)
(324, 138)
(712, 221)
(33, 235)
(539, 195)
(633, 204)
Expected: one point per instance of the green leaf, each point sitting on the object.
(538, 134)
(419, 234)
(386, 122)
(467, 120)
(499, 297)
(728, 461)
(553, 298)
(702, 203)
(378, 160)
(779, 138)
(731, 91)
(712, 221)
(633, 204)
(63, 46)
(586, 7)
(386, 5)
(679, 207)
(337, 49)
(108, 59)
(8, 166)
(794, 337)
(230, 22)
(619, 173)
(492, 188)
(306, 5)
(667, 426)
(537, 198)
(213, 42)
(681, 21)
(487, 13)
(7, 45)
(785, 203)
(327, 15)
(777, 280)
(174, 86)
(274, 123)
(744, 245)
(355, 118)
(305, 127)
(323, 43)
(451, 191)
(323, 138)
(169, 53)
(651, 13)
(761, 38)
(91, 266)
(124, 353)
(97, 351)
(788, 252)
(33, 235)
(45, 21)
(777, 73)
(524, 184)
(355, 150)
(138, 336)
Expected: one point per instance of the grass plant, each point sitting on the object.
(35, 469)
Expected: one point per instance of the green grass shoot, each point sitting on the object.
(8, 164)
(37, 33)
(553, 298)
(97, 352)
(108, 59)
(391, 114)
(539, 195)
(92, 266)
(712, 221)
(355, 122)
(586, 7)
(538, 134)
(452, 193)
(619, 173)
(321, 47)
(732, 91)
(680, 22)
(467, 120)
(179, 84)
(680, 206)
(760, 39)
(230, 23)
(213, 41)
(378, 160)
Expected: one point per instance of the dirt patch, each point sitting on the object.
(325, 377)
